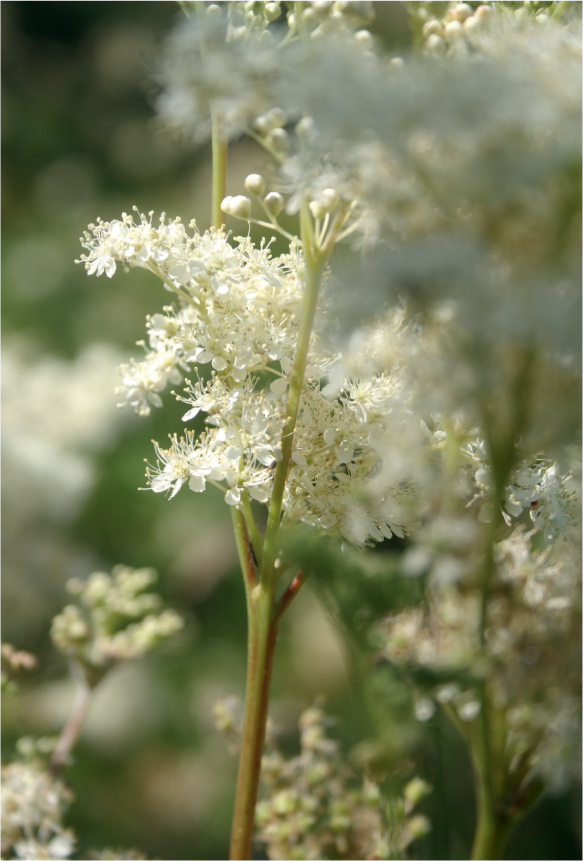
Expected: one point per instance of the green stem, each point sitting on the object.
(493, 825)
(492, 832)
(260, 654)
(314, 266)
(219, 156)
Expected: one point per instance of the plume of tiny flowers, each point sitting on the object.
(537, 486)
(237, 310)
(528, 660)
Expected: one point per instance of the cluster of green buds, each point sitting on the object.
(272, 203)
(316, 808)
(116, 619)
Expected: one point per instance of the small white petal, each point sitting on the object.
(258, 493)
(190, 414)
(197, 483)
(279, 387)
(155, 399)
(233, 496)
(180, 273)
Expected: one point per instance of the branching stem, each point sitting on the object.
(72, 728)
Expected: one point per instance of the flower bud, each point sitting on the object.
(418, 826)
(214, 12)
(472, 23)
(453, 30)
(272, 11)
(317, 209)
(432, 26)
(483, 11)
(239, 206)
(306, 128)
(255, 184)
(278, 139)
(415, 790)
(322, 8)
(460, 12)
(261, 125)
(226, 204)
(435, 44)
(309, 18)
(274, 203)
(364, 38)
(276, 118)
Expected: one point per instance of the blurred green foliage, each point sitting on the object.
(80, 141)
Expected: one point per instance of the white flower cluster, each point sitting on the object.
(225, 61)
(530, 639)
(33, 804)
(238, 311)
(536, 486)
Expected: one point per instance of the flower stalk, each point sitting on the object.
(263, 613)
(219, 158)
(71, 730)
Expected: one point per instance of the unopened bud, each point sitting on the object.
(415, 790)
(276, 118)
(435, 44)
(278, 139)
(472, 23)
(214, 12)
(272, 11)
(322, 8)
(418, 826)
(432, 26)
(364, 38)
(306, 128)
(453, 30)
(460, 12)
(317, 209)
(255, 184)
(483, 11)
(309, 18)
(239, 206)
(274, 203)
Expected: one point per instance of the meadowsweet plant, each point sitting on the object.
(420, 382)
(118, 620)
